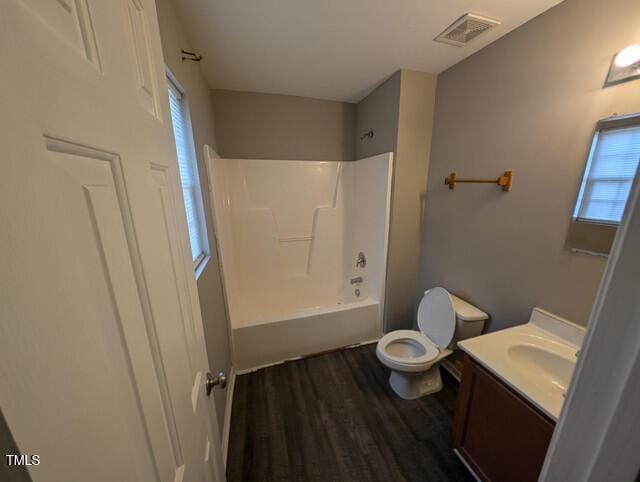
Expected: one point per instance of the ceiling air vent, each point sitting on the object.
(466, 28)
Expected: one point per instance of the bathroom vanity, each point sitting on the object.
(514, 382)
(500, 435)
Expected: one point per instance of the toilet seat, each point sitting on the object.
(416, 351)
(428, 351)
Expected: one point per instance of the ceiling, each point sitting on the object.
(333, 49)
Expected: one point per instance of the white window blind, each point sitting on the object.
(188, 175)
(610, 170)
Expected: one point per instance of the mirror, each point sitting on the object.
(610, 168)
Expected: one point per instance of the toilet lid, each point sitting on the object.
(436, 317)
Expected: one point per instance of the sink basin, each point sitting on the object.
(536, 359)
(549, 369)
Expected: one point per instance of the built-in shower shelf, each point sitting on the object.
(293, 239)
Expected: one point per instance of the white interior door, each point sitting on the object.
(102, 363)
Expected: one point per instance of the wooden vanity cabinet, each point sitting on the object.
(501, 436)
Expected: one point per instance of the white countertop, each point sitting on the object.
(535, 359)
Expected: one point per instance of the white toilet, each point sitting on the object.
(413, 356)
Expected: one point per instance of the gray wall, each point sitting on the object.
(415, 122)
(528, 102)
(400, 112)
(251, 125)
(379, 112)
(198, 95)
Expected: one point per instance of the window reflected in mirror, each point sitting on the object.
(610, 169)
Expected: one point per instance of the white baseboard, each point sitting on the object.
(226, 423)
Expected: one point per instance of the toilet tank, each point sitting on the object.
(469, 319)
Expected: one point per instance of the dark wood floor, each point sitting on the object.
(333, 417)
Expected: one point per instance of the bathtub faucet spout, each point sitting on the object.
(357, 279)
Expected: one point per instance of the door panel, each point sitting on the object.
(145, 76)
(71, 21)
(69, 312)
(169, 198)
(102, 356)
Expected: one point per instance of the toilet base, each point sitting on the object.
(415, 385)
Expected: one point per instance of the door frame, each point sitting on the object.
(598, 434)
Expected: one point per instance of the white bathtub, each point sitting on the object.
(290, 234)
(269, 340)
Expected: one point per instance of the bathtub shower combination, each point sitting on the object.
(303, 250)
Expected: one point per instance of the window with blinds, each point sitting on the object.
(188, 175)
(611, 167)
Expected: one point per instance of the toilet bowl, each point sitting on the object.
(414, 355)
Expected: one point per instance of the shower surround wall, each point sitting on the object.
(290, 233)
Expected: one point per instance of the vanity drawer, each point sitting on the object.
(498, 433)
